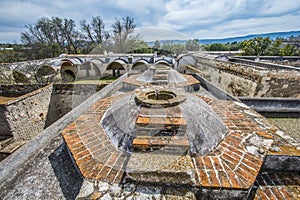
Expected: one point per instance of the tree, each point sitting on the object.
(156, 45)
(192, 45)
(141, 47)
(289, 50)
(256, 46)
(275, 47)
(121, 30)
(95, 33)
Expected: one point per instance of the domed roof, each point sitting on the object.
(191, 116)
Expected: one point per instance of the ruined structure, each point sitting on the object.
(158, 133)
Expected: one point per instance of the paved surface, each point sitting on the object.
(290, 126)
(50, 175)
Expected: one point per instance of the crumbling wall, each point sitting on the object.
(244, 80)
(26, 115)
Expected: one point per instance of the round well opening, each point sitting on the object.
(160, 95)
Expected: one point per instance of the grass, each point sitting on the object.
(104, 80)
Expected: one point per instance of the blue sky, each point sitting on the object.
(160, 19)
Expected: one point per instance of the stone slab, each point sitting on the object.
(161, 168)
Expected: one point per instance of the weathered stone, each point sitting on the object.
(150, 167)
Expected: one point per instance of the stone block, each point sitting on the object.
(161, 168)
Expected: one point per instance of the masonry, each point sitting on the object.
(32, 108)
(245, 80)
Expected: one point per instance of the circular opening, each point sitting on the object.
(160, 95)
(160, 98)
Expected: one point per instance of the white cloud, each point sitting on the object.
(196, 18)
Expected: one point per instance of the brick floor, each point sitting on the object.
(276, 185)
(229, 166)
(91, 148)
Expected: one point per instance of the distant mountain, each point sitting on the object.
(162, 42)
(247, 37)
(232, 39)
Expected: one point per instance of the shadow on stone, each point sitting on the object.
(69, 179)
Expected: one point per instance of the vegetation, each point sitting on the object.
(50, 37)
(259, 46)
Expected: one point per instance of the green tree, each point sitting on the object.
(256, 47)
(289, 50)
(275, 47)
(141, 47)
(192, 45)
(156, 45)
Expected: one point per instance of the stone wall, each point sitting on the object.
(250, 81)
(17, 90)
(39, 106)
(25, 116)
(65, 97)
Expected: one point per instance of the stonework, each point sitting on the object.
(258, 82)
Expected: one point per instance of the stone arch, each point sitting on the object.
(162, 62)
(68, 71)
(117, 67)
(185, 60)
(91, 68)
(45, 73)
(140, 66)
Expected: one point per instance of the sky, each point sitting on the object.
(160, 19)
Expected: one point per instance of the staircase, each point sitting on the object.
(163, 134)
(160, 77)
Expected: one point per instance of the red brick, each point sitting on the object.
(237, 149)
(255, 166)
(264, 134)
(224, 180)
(82, 154)
(83, 160)
(112, 175)
(286, 194)
(103, 173)
(253, 159)
(204, 179)
(112, 159)
(119, 177)
(230, 159)
(78, 150)
(246, 176)
(73, 147)
(260, 194)
(269, 193)
(207, 163)
(215, 183)
(217, 163)
(277, 193)
(199, 162)
(253, 172)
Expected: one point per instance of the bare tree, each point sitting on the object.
(121, 30)
(95, 32)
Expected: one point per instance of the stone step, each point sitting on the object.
(161, 144)
(155, 131)
(160, 77)
(160, 82)
(161, 71)
(161, 168)
(166, 121)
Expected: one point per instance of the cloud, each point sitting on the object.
(196, 18)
